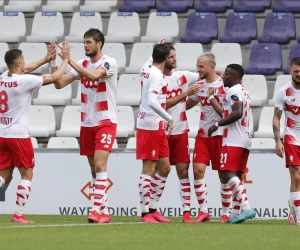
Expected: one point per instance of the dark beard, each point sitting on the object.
(296, 82)
(91, 55)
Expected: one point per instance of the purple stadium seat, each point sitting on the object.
(295, 51)
(278, 28)
(137, 5)
(239, 28)
(265, 59)
(287, 6)
(219, 6)
(200, 28)
(179, 6)
(252, 5)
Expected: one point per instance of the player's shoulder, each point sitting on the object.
(109, 59)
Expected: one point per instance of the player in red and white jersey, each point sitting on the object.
(178, 89)
(207, 149)
(152, 143)
(16, 89)
(236, 137)
(288, 101)
(98, 79)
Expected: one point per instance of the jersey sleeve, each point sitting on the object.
(32, 81)
(233, 97)
(280, 99)
(191, 77)
(74, 72)
(110, 66)
(154, 89)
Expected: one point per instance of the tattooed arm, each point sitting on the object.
(279, 150)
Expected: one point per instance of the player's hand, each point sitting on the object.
(51, 51)
(212, 129)
(193, 89)
(65, 51)
(279, 149)
(170, 127)
(161, 41)
(210, 91)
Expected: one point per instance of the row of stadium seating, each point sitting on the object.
(180, 6)
(129, 91)
(59, 5)
(42, 122)
(265, 58)
(217, 6)
(201, 27)
(72, 142)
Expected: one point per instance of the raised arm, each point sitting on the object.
(88, 74)
(279, 149)
(56, 77)
(51, 50)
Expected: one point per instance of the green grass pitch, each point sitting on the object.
(57, 232)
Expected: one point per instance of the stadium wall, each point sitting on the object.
(61, 186)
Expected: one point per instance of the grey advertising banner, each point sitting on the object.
(62, 185)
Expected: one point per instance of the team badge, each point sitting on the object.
(291, 158)
(234, 98)
(106, 65)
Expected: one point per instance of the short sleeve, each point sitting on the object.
(280, 99)
(191, 77)
(32, 81)
(233, 97)
(110, 66)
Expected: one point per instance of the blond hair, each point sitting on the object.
(208, 56)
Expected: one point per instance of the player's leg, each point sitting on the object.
(147, 148)
(235, 160)
(215, 144)
(180, 157)
(295, 191)
(87, 148)
(292, 163)
(235, 204)
(226, 199)
(158, 182)
(184, 190)
(23, 159)
(100, 199)
(148, 171)
(6, 163)
(201, 158)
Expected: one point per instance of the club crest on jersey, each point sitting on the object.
(291, 158)
(153, 153)
(106, 65)
(234, 98)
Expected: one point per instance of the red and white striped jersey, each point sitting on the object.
(153, 101)
(208, 116)
(179, 82)
(98, 98)
(288, 100)
(237, 134)
(15, 99)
